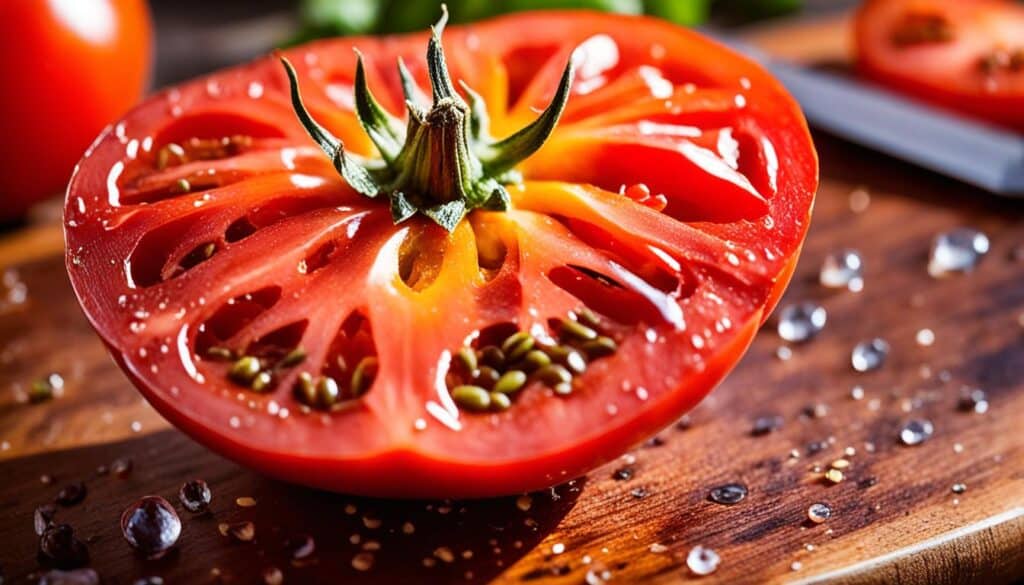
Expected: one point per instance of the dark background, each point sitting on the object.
(197, 36)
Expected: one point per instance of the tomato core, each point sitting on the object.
(444, 163)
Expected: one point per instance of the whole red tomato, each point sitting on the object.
(69, 68)
(966, 55)
(405, 306)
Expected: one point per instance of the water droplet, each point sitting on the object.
(766, 424)
(869, 355)
(957, 250)
(71, 494)
(702, 560)
(800, 322)
(195, 495)
(784, 353)
(819, 512)
(151, 526)
(925, 337)
(728, 494)
(959, 488)
(302, 546)
(843, 269)
(255, 90)
(973, 400)
(860, 199)
(59, 547)
(597, 577)
(916, 432)
(557, 548)
(623, 474)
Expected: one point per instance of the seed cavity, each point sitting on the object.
(259, 374)
(327, 393)
(487, 375)
(196, 149)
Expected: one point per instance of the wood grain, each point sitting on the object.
(896, 519)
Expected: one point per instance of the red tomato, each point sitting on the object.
(209, 239)
(71, 67)
(966, 55)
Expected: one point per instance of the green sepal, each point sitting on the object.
(499, 199)
(384, 130)
(411, 91)
(503, 155)
(442, 162)
(447, 214)
(401, 208)
(479, 121)
(350, 168)
(440, 81)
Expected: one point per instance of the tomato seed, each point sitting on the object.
(471, 397)
(512, 381)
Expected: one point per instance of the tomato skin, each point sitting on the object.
(71, 67)
(732, 266)
(948, 72)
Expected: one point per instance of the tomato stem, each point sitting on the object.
(443, 162)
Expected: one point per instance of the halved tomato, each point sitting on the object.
(521, 322)
(966, 55)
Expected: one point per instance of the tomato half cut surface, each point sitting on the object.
(965, 55)
(284, 319)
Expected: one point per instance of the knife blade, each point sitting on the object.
(977, 154)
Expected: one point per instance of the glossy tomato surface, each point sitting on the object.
(671, 202)
(70, 67)
(966, 55)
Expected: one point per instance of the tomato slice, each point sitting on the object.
(966, 55)
(665, 214)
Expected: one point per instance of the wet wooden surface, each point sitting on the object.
(896, 518)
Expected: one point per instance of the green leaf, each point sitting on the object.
(623, 6)
(340, 17)
(682, 12)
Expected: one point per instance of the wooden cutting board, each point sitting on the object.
(896, 518)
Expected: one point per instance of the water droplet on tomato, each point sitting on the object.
(213, 88)
(255, 90)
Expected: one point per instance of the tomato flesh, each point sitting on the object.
(266, 248)
(965, 55)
